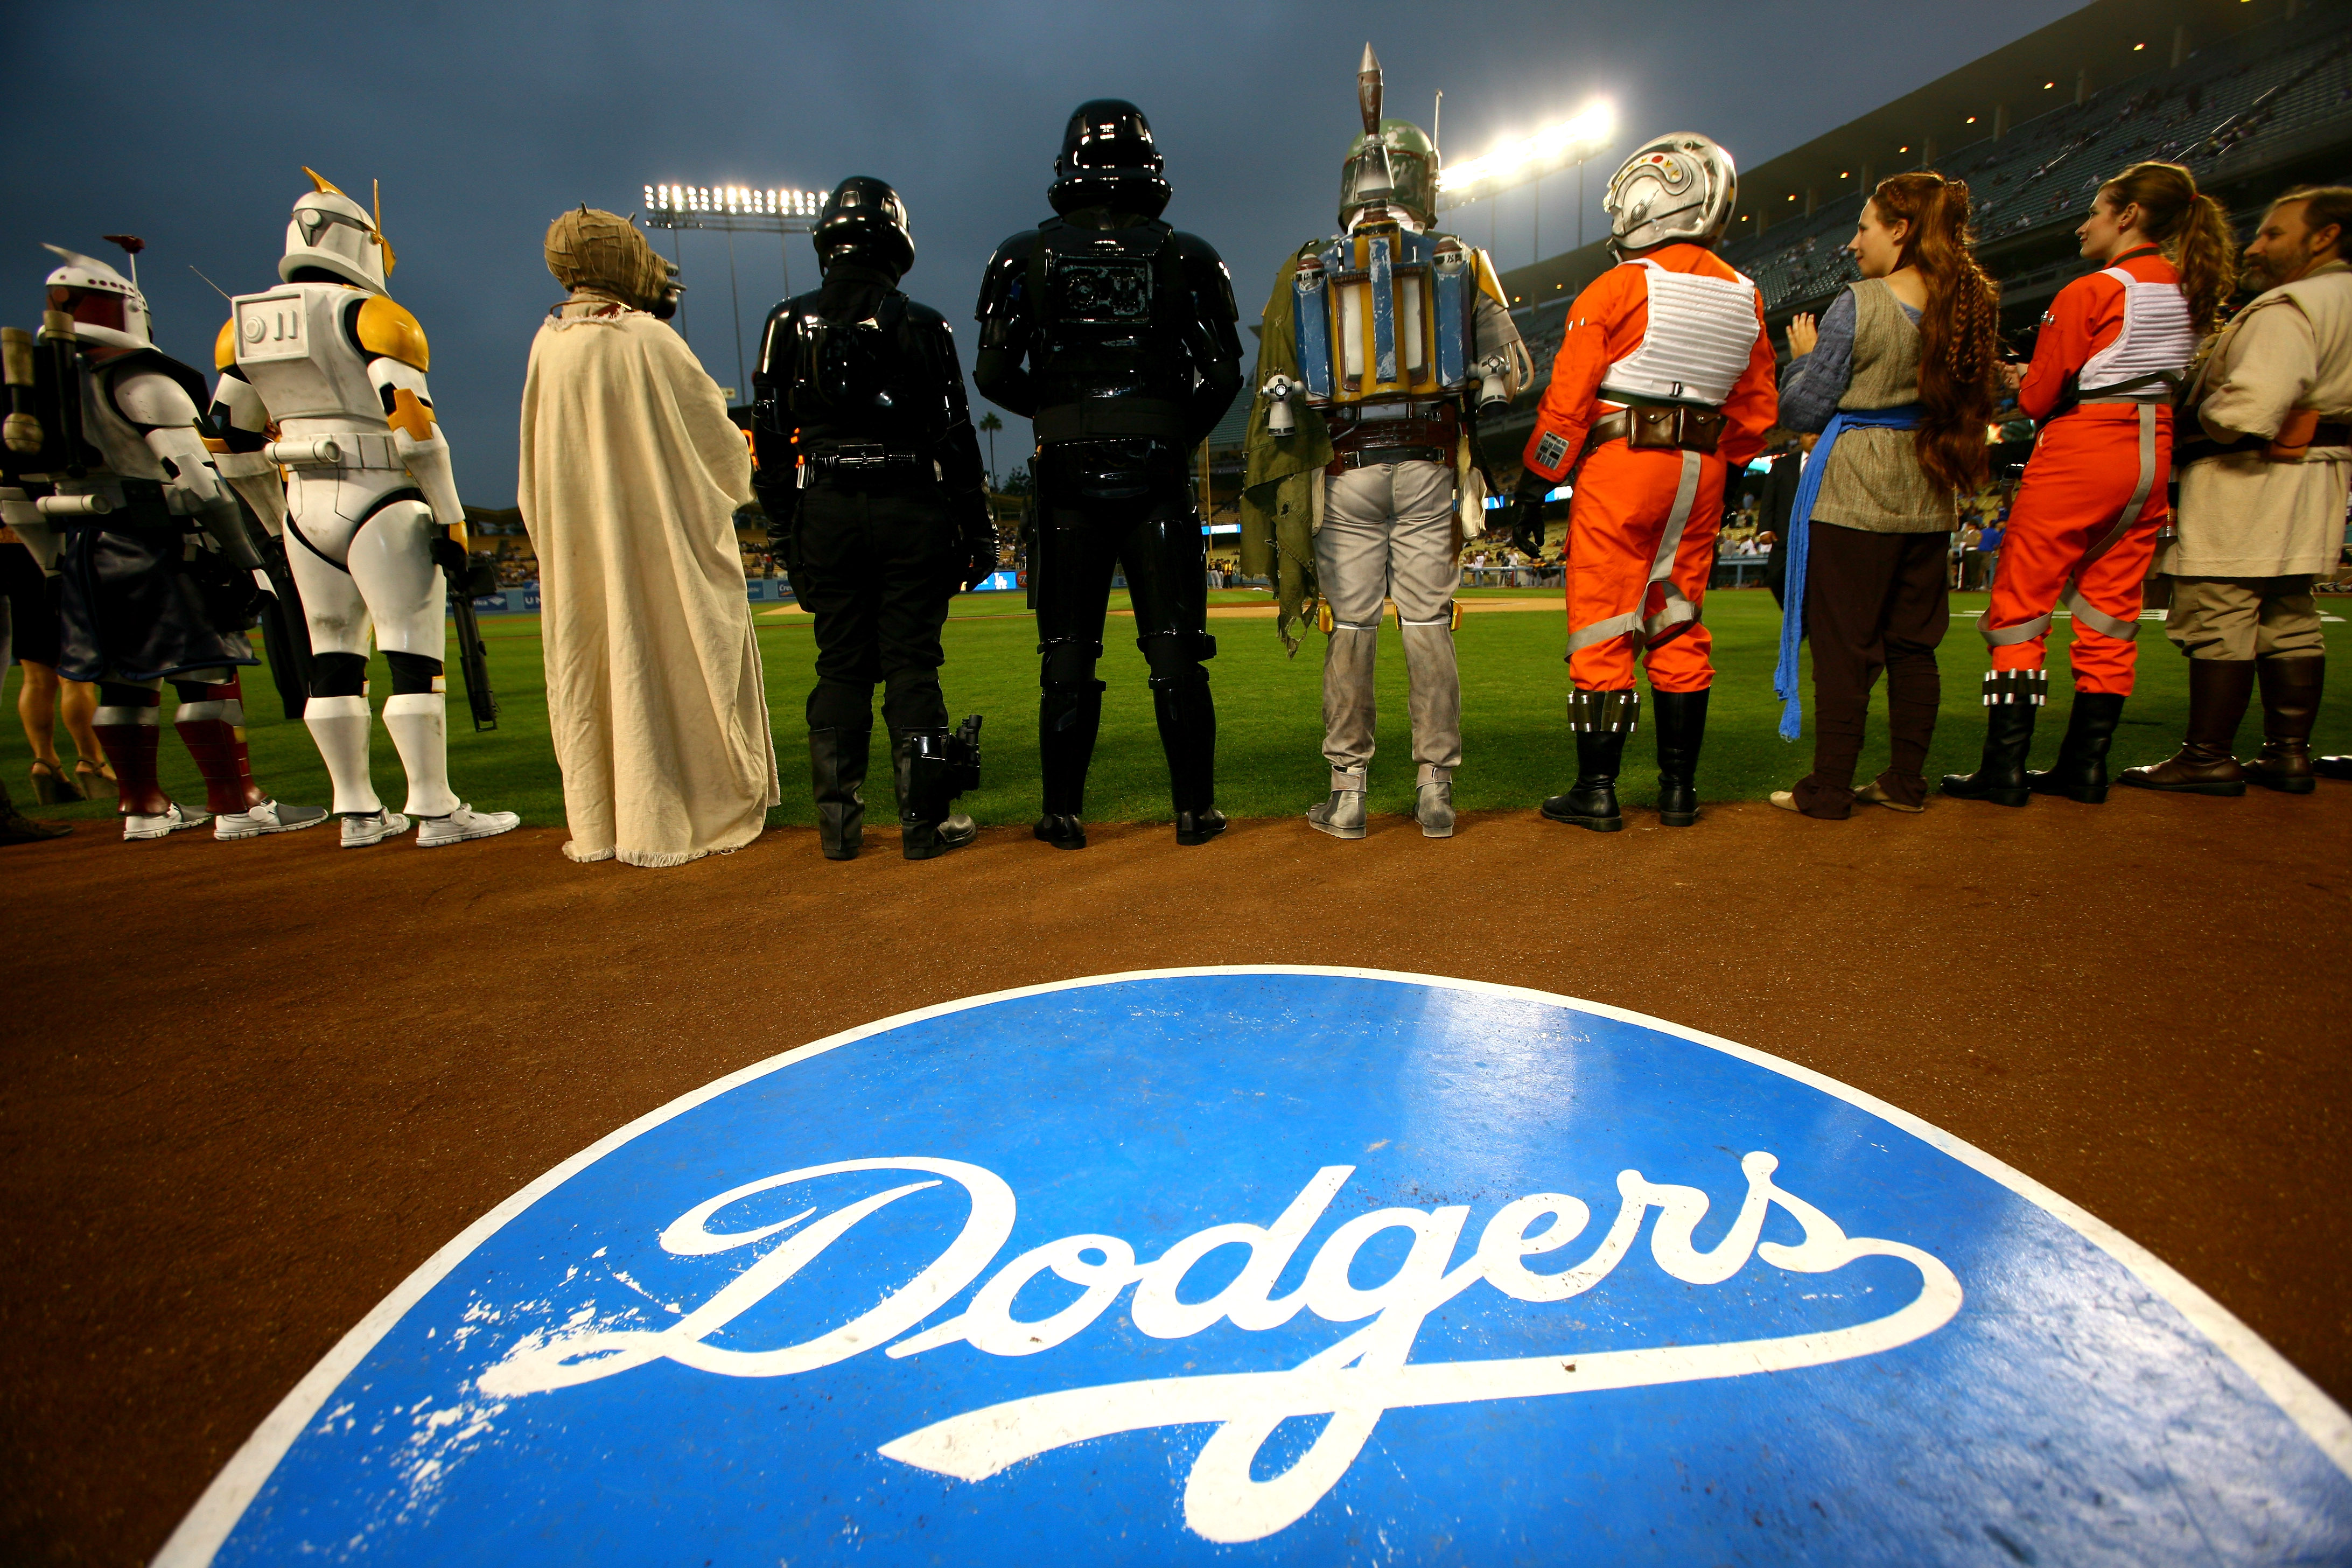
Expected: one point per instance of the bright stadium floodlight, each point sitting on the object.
(679, 207)
(734, 209)
(1516, 163)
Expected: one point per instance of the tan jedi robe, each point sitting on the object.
(2244, 515)
(631, 477)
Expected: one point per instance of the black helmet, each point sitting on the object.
(1107, 161)
(864, 219)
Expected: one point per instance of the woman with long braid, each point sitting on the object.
(2110, 351)
(1899, 377)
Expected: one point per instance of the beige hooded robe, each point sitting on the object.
(631, 477)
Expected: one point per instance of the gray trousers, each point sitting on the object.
(1388, 531)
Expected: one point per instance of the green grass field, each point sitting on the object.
(1515, 745)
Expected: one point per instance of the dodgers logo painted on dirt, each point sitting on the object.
(1301, 1265)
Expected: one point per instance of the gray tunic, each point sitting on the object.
(1874, 481)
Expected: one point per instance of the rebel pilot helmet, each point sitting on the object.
(107, 307)
(333, 234)
(1390, 166)
(864, 221)
(1679, 186)
(1109, 161)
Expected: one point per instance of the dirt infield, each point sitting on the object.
(315, 1067)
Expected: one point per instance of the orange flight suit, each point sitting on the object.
(1618, 515)
(2083, 470)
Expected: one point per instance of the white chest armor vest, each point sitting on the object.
(2157, 339)
(1701, 332)
(291, 345)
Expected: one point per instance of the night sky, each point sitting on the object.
(188, 124)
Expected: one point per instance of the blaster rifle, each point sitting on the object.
(285, 630)
(473, 657)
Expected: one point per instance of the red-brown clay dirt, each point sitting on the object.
(252, 1085)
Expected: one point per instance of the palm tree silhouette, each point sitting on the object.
(989, 426)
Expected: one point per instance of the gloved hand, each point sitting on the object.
(1527, 526)
(978, 544)
(449, 555)
(22, 433)
(980, 559)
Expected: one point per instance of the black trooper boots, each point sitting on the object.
(1600, 722)
(2290, 689)
(2081, 770)
(1188, 734)
(2011, 695)
(1067, 722)
(2218, 689)
(837, 760)
(929, 824)
(1681, 721)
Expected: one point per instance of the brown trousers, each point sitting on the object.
(1873, 601)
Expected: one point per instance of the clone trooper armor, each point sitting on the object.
(870, 474)
(1663, 386)
(106, 443)
(1397, 333)
(338, 369)
(1113, 334)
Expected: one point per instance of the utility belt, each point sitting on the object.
(1660, 428)
(867, 466)
(337, 450)
(2303, 430)
(1111, 418)
(1427, 431)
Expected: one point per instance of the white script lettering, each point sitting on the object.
(1353, 1382)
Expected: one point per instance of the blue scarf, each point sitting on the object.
(1799, 544)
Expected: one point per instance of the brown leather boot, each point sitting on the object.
(2218, 689)
(2290, 703)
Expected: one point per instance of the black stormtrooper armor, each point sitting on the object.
(1113, 334)
(870, 473)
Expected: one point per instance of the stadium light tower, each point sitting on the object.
(734, 209)
(1575, 141)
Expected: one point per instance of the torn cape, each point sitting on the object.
(1279, 490)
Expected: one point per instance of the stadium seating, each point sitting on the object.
(2225, 112)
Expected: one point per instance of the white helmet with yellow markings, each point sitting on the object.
(334, 234)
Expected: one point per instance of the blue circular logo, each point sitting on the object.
(1311, 1265)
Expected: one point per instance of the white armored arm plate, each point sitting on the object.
(1287, 1265)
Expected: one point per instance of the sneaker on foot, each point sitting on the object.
(269, 816)
(432, 832)
(362, 828)
(172, 818)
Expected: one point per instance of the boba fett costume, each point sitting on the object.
(870, 474)
(1113, 334)
(1380, 343)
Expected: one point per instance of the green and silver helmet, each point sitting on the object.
(1393, 164)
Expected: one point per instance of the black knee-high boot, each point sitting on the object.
(1681, 719)
(2081, 770)
(1188, 733)
(1067, 722)
(1600, 721)
(838, 763)
(2011, 696)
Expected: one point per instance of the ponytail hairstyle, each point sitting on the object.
(1959, 344)
(2192, 229)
